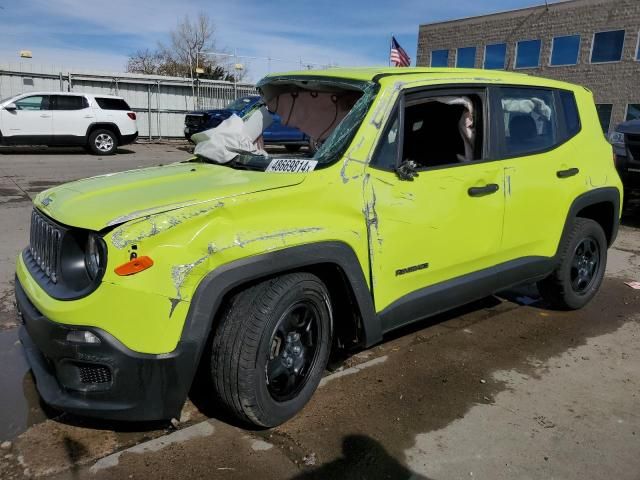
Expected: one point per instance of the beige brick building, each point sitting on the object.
(594, 43)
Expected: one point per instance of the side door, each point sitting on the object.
(542, 172)
(30, 123)
(430, 234)
(72, 118)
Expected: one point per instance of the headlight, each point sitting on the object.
(93, 255)
(616, 138)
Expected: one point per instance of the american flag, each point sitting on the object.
(398, 56)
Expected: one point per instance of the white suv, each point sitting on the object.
(99, 123)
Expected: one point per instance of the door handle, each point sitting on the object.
(44, 115)
(567, 173)
(482, 191)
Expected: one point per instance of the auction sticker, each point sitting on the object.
(291, 165)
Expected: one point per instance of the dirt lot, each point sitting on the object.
(503, 388)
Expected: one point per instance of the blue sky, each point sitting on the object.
(101, 34)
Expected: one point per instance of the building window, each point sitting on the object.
(466, 57)
(494, 56)
(638, 48)
(564, 50)
(528, 53)
(633, 112)
(607, 46)
(440, 58)
(604, 114)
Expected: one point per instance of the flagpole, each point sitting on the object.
(390, 47)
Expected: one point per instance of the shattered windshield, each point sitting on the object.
(242, 103)
(327, 111)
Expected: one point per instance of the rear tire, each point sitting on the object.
(102, 142)
(583, 260)
(271, 348)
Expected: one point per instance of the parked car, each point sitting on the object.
(100, 123)
(626, 144)
(277, 134)
(432, 188)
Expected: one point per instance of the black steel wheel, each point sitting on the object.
(584, 266)
(294, 350)
(271, 347)
(582, 259)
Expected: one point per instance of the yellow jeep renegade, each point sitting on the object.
(432, 188)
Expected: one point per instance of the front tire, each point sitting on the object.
(102, 142)
(583, 260)
(271, 348)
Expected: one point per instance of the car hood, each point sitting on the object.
(107, 200)
(632, 127)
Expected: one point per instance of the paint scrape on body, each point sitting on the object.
(129, 234)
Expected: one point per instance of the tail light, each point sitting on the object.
(131, 115)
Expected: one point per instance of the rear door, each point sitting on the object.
(72, 118)
(542, 170)
(30, 122)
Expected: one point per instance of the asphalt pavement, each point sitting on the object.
(502, 388)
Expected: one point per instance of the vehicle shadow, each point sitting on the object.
(362, 457)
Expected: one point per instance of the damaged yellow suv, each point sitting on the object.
(431, 188)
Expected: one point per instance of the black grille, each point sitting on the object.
(633, 145)
(44, 244)
(94, 374)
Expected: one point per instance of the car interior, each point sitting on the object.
(443, 130)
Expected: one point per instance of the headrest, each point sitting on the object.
(522, 128)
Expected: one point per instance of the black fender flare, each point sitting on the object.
(593, 197)
(106, 125)
(213, 288)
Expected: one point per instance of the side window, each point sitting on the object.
(70, 102)
(528, 119)
(442, 130)
(35, 102)
(385, 157)
(604, 114)
(571, 116)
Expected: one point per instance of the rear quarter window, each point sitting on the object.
(570, 115)
(112, 103)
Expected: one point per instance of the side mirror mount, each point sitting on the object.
(10, 106)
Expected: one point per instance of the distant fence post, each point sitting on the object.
(159, 132)
(149, 108)
(70, 86)
(61, 82)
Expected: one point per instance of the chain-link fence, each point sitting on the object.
(160, 102)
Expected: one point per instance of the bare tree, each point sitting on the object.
(186, 51)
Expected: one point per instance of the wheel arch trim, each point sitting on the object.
(218, 283)
(593, 197)
(106, 125)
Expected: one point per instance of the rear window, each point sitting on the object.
(112, 103)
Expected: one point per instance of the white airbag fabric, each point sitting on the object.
(233, 133)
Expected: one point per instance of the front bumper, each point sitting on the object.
(105, 380)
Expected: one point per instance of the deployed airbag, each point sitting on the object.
(315, 113)
(221, 144)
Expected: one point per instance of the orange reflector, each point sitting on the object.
(134, 266)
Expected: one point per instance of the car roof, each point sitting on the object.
(93, 95)
(411, 74)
